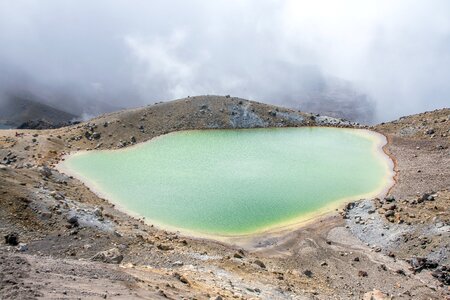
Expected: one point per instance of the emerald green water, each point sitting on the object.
(233, 182)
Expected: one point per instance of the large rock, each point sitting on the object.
(420, 263)
(259, 263)
(12, 239)
(72, 219)
(111, 256)
(442, 274)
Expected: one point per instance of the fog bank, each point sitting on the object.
(381, 59)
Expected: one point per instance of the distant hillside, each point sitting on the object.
(336, 98)
(16, 110)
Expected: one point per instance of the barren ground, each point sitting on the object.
(360, 251)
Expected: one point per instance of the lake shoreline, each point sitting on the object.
(379, 142)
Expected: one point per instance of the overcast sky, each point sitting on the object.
(134, 52)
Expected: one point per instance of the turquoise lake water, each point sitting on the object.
(234, 182)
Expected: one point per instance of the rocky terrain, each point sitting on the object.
(61, 241)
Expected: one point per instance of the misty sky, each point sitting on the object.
(135, 52)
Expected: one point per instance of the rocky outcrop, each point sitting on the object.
(243, 117)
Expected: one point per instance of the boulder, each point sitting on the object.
(420, 263)
(259, 263)
(442, 274)
(12, 239)
(349, 206)
(427, 197)
(72, 219)
(111, 256)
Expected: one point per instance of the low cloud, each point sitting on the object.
(384, 58)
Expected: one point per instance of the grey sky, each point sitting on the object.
(135, 52)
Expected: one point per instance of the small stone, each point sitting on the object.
(362, 273)
(400, 271)
(22, 247)
(308, 273)
(430, 131)
(164, 247)
(98, 212)
(390, 199)
(111, 256)
(162, 294)
(391, 207)
(180, 278)
(259, 263)
(177, 264)
(389, 213)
